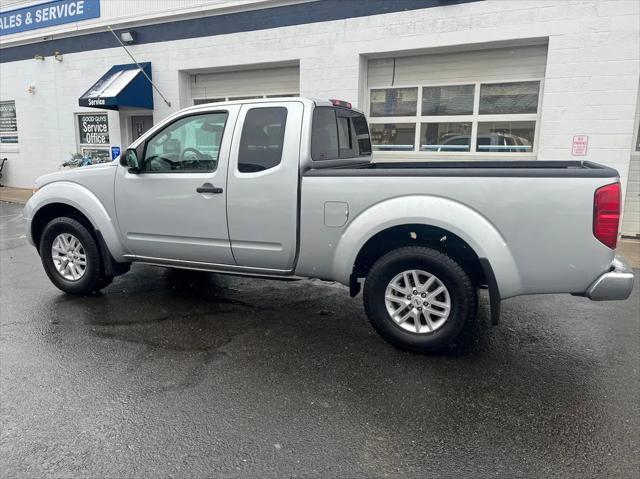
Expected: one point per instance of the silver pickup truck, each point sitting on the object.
(285, 188)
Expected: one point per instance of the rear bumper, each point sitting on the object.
(613, 285)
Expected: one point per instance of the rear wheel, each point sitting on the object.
(71, 257)
(419, 299)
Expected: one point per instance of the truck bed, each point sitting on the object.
(517, 168)
(538, 215)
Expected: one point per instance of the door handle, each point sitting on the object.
(209, 188)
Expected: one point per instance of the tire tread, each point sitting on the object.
(468, 289)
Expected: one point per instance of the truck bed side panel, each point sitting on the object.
(546, 222)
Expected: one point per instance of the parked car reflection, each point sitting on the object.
(493, 142)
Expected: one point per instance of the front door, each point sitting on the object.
(175, 207)
(140, 124)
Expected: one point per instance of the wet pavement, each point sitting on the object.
(184, 374)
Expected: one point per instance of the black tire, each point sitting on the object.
(462, 292)
(90, 280)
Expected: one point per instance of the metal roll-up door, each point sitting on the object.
(244, 84)
(498, 64)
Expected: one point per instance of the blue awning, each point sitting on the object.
(121, 86)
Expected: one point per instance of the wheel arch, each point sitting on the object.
(72, 200)
(440, 223)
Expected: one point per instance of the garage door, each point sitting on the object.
(631, 217)
(470, 103)
(245, 84)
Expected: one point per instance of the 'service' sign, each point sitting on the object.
(47, 14)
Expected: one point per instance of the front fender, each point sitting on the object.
(82, 199)
(475, 229)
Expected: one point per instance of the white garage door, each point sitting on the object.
(631, 217)
(245, 84)
(471, 103)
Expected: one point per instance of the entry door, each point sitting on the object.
(140, 124)
(175, 206)
(263, 185)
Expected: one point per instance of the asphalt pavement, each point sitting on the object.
(184, 374)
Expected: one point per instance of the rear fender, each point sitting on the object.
(468, 224)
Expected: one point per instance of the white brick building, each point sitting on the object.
(439, 79)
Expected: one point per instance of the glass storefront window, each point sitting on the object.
(509, 98)
(8, 122)
(445, 137)
(97, 155)
(453, 119)
(448, 100)
(93, 136)
(393, 136)
(394, 102)
(204, 101)
(506, 136)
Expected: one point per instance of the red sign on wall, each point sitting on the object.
(579, 145)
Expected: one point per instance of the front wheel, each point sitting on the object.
(419, 299)
(71, 257)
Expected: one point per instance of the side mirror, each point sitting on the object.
(130, 160)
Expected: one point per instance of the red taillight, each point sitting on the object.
(606, 214)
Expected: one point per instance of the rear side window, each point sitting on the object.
(262, 139)
(339, 134)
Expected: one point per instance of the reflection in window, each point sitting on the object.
(506, 136)
(324, 139)
(394, 102)
(189, 144)
(262, 139)
(344, 137)
(362, 134)
(393, 136)
(509, 98)
(448, 100)
(445, 137)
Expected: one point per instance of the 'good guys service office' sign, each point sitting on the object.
(47, 15)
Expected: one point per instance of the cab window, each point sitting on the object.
(190, 144)
(339, 133)
(262, 139)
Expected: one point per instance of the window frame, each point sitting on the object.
(475, 118)
(11, 147)
(164, 126)
(635, 146)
